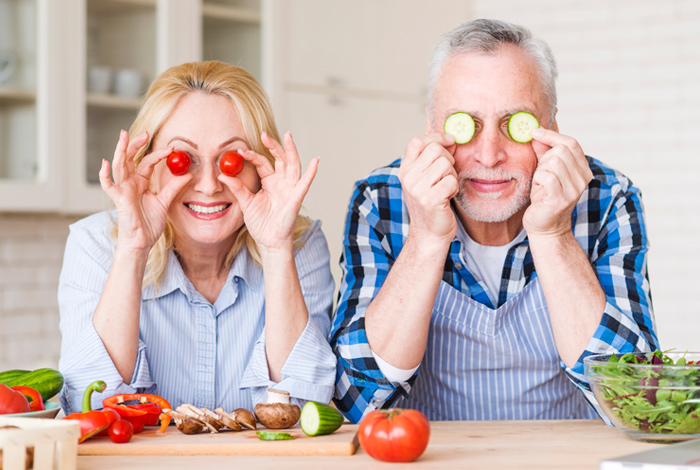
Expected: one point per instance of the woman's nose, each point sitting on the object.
(206, 178)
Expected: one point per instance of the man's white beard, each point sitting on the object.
(485, 207)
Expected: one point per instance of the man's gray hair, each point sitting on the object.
(486, 36)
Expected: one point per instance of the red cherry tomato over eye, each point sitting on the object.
(120, 431)
(231, 163)
(178, 163)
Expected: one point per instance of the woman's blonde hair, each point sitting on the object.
(255, 113)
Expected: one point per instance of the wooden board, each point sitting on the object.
(173, 442)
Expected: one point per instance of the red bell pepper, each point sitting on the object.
(147, 412)
(93, 421)
(12, 402)
(37, 403)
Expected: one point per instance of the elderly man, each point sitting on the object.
(479, 275)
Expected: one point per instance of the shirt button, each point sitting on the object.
(235, 279)
(458, 266)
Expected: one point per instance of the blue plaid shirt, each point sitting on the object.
(608, 223)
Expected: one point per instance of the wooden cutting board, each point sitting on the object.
(173, 442)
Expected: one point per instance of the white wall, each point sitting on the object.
(628, 91)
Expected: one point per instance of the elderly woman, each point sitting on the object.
(202, 288)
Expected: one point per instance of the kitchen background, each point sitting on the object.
(348, 79)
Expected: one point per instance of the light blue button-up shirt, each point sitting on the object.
(192, 351)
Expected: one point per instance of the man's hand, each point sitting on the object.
(561, 176)
(429, 182)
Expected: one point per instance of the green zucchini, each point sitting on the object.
(521, 125)
(48, 382)
(274, 436)
(11, 374)
(461, 126)
(318, 418)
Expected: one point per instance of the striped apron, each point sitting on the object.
(486, 364)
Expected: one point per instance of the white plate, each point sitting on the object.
(52, 409)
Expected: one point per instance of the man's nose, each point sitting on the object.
(489, 147)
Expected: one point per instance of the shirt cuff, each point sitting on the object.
(307, 374)
(394, 374)
(80, 373)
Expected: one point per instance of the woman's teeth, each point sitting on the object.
(207, 209)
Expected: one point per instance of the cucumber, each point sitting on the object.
(317, 419)
(274, 436)
(460, 126)
(48, 382)
(521, 125)
(12, 374)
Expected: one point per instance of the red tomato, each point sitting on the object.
(120, 431)
(231, 163)
(178, 163)
(394, 435)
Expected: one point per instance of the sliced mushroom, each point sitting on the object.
(229, 419)
(184, 423)
(245, 418)
(192, 411)
(277, 413)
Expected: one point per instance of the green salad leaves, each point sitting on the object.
(652, 394)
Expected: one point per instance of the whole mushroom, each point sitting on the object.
(277, 413)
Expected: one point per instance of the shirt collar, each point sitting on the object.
(243, 267)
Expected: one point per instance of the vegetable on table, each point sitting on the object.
(140, 409)
(48, 382)
(274, 436)
(394, 435)
(36, 403)
(663, 400)
(277, 413)
(120, 431)
(12, 401)
(318, 419)
(93, 421)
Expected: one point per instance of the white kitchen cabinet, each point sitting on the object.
(350, 85)
(82, 68)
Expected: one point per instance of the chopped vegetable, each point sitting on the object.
(93, 421)
(460, 126)
(318, 419)
(654, 399)
(274, 436)
(521, 125)
(36, 403)
(12, 401)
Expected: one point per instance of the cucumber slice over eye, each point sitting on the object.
(521, 125)
(460, 126)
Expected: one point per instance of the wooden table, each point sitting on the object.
(565, 444)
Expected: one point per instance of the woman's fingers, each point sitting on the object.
(261, 163)
(239, 190)
(168, 192)
(149, 162)
(305, 182)
(119, 161)
(106, 183)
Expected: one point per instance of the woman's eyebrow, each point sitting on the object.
(187, 141)
(230, 141)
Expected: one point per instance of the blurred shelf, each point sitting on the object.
(112, 101)
(17, 95)
(223, 12)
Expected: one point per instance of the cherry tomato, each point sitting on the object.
(231, 163)
(120, 431)
(394, 435)
(178, 163)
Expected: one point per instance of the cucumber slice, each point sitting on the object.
(521, 125)
(318, 418)
(460, 126)
(274, 436)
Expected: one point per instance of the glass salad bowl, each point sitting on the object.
(652, 397)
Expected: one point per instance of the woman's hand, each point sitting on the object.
(271, 213)
(141, 214)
